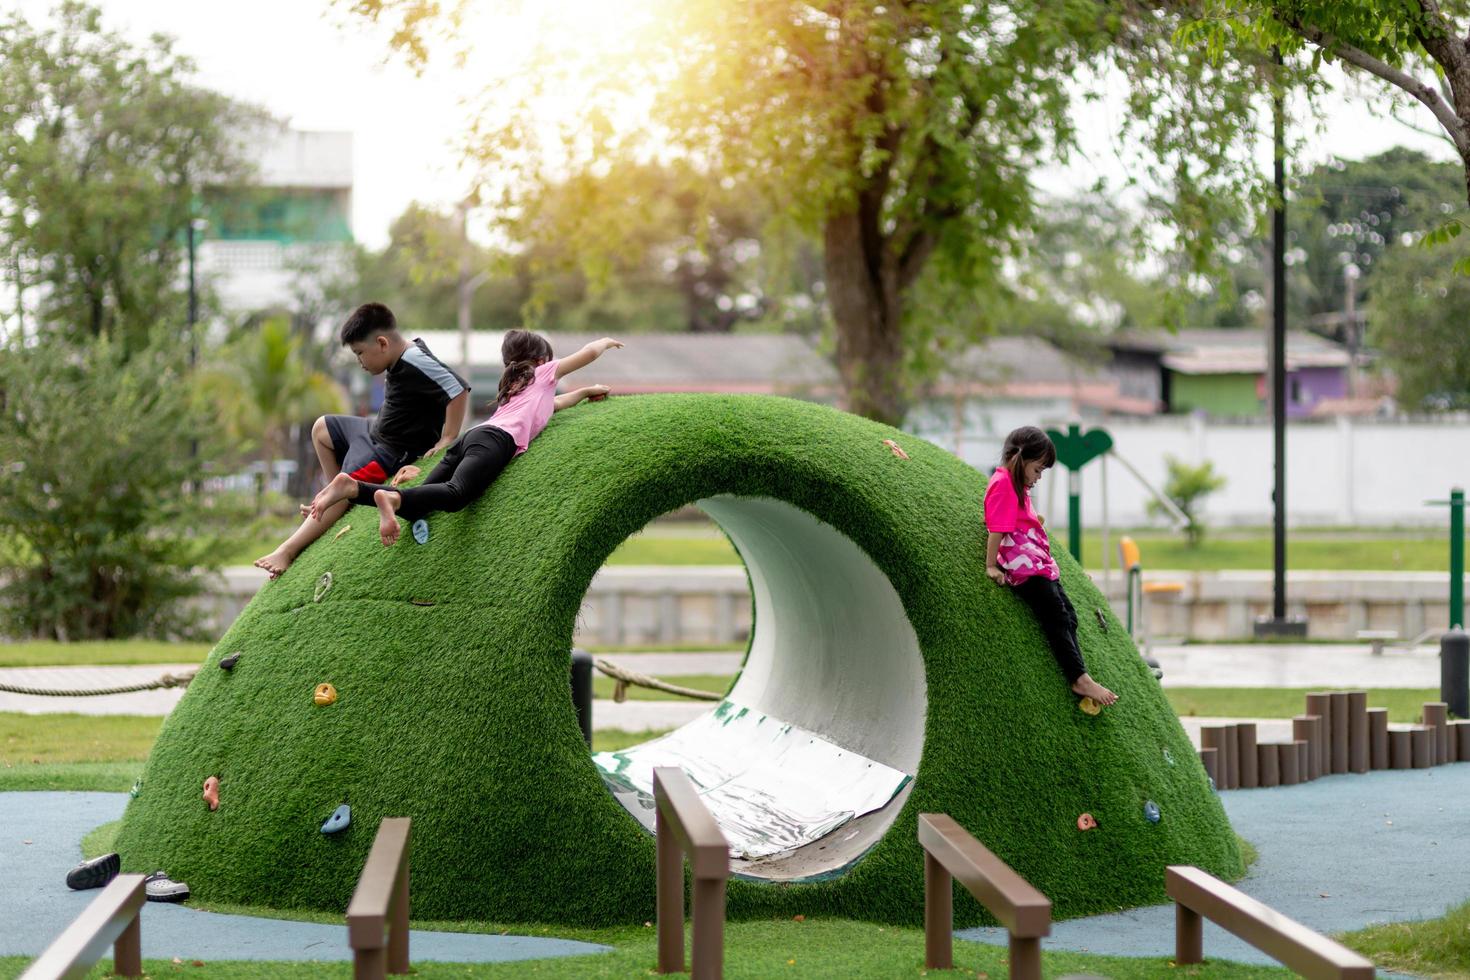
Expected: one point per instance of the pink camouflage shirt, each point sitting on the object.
(1024, 550)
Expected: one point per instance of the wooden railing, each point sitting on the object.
(381, 902)
(683, 825)
(950, 852)
(110, 919)
(1199, 895)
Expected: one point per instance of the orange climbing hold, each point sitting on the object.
(896, 448)
(325, 694)
(1086, 822)
(211, 792)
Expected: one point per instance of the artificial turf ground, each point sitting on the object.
(450, 660)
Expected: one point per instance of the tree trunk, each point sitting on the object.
(868, 310)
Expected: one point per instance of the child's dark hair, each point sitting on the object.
(366, 321)
(521, 350)
(1022, 446)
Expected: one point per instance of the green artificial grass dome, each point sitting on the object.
(450, 660)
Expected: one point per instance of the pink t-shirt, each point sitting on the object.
(527, 411)
(1024, 550)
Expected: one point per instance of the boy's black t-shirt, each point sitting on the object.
(416, 390)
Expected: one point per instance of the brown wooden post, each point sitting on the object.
(1357, 709)
(1339, 727)
(1189, 936)
(1025, 957)
(1423, 746)
(1304, 760)
(1437, 716)
(1378, 738)
(1320, 704)
(1210, 759)
(1245, 751)
(1268, 770)
(708, 942)
(1213, 739)
(1302, 729)
(127, 952)
(1400, 748)
(669, 896)
(379, 903)
(1231, 744)
(398, 926)
(1286, 763)
(112, 918)
(1460, 731)
(938, 915)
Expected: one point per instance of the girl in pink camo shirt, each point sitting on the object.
(1018, 554)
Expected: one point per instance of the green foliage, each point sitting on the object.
(1416, 320)
(457, 713)
(96, 482)
(1188, 486)
(103, 147)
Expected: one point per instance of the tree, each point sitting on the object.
(1417, 321)
(104, 146)
(902, 136)
(1187, 487)
(102, 531)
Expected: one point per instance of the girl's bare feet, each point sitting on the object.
(342, 487)
(388, 503)
(276, 562)
(1089, 688)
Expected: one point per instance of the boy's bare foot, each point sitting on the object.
(388, 503)
(1089, 688)
(342, 487)
(276, 562)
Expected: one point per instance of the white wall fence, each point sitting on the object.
(1340, 471)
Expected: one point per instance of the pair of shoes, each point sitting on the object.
(94, 873)
(159, 887)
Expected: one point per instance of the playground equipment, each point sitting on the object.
(687, 828)
(886, 676)
(377, 916)
(111, 919)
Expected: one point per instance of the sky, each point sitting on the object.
(312, 64)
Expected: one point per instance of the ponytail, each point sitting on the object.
(522, 352)
(1024, 445)
(514, 381)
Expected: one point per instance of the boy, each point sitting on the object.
(424, 405)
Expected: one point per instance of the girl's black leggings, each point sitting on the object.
(468, 468)
(1058, 621)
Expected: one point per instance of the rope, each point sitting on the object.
(624, 677)
(167, 680)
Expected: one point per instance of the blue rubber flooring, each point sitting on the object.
(1336, 854)
(40, 835)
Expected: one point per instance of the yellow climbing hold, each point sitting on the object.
(325, 694)
(345, 529)
(1089, 706)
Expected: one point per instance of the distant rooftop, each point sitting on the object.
(1243, 351)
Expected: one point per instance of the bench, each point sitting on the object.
(683, 825)
(111, 919)
(1199, 895)
(950, 852)
(380, 902)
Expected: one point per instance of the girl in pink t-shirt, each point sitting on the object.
(1018, 554)
(526, 399)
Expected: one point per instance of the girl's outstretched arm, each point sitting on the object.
(585, 356)
(570, 398)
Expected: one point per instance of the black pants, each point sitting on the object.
(468, 468)
(1058, 620)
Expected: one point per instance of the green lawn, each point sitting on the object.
(1335, 550)
(602, 686)
(105, 653)
(815, 948)
(49, 739)
(1436, 947)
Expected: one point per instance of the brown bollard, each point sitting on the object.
(1460, 732)
(1400, 748)
(1286, 762)
(1268, 766)
(1213, 738)
(1424, 745)
(1245, 753)
(1302, 729)
(1320, 704)
(1210, 759)
(1357, 710)
(1303, 759)
(1437, 717)
(1378, 738)
(1339, 734)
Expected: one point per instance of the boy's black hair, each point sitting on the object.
(1022, 446)
(366, 321)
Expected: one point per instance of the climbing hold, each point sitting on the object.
(229, 662)
(325, 694)
(323, 585)
(345, 529)
(340, 818)
(1151, 811)
(1089, 707)
(421, 602)
(1086, 822)
(420, 529)
(1102, 620)
(211, 792)
(1168, 756)
(1212, 784)
(896, 449)
(137, 788)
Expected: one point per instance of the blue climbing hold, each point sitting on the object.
(1151, 811)
(340, 818)
(421, 531)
